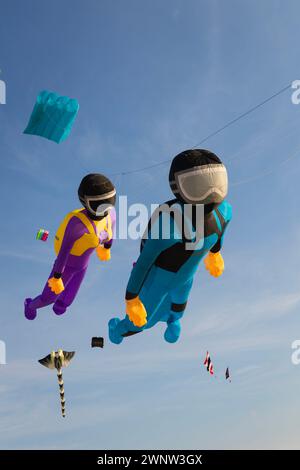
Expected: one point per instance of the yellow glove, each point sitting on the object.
(214, 264)
(103, 253)
(136, 311)
(56, 285)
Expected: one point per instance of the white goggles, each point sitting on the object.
(203, 184)
(96, 205)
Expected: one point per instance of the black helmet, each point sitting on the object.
(198, 177)
(97, 194)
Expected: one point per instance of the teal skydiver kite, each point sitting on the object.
(161, 280)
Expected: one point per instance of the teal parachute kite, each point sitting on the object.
(52, 116)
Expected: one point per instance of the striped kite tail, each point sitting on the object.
(61, 392)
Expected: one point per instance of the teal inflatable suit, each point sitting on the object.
(52, 116)
(180, 234)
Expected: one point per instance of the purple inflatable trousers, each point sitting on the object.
(73, 268)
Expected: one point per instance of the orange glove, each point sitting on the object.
(136, 312)
(103, 253)
(214, 264)
(56, 285)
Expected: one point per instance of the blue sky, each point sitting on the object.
(153, 78)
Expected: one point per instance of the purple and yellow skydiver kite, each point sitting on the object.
(81, 232)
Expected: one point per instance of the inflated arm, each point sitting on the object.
(134, 306)
(214, 262)
(103, 250)
(152, 248)
(109, 243)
